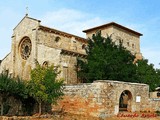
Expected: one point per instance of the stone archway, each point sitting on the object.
(125, 101)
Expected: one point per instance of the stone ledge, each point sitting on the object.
(119, 82)
(155, 99)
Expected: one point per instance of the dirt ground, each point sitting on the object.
(122, 116)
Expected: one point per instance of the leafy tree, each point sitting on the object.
(11, 87)
(43, 85)
(105, 60)
(147, 74)
(7, 87)
(158, 74)
(21, 91)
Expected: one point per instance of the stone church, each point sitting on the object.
(32, 41)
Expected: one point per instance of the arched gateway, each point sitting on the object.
(105, 98)
(125, 101)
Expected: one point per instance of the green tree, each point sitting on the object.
(21, 91)
(43, 85)
(158, 74)
(146, 73)
(105, 61)
(7, 87)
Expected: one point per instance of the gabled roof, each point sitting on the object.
(26, 16)
(54, 30)
(113, 24)
(5, 57)
(62, 33)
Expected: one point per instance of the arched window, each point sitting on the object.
(45, 64)
(83, 46)
(133, 46)
(57, 39)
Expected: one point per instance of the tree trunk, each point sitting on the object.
(1, 108)
(40, 108)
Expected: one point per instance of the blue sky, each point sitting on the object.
(73, 16)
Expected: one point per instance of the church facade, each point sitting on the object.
(32, 41)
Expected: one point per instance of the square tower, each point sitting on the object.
(130, 39)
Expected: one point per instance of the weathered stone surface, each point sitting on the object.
(48, 46)
(51, 46)
(129, 38)
(101, 98)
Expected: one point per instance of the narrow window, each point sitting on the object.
(57, 39)
(83, 46)
(45, 64)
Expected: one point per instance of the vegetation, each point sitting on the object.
(10, 87)
(146, 73)
(108, 61)
(42, 88)
(105, 61)
(43, 85)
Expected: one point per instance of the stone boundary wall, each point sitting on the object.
(154, 104)
(83, 99)
(101, 98)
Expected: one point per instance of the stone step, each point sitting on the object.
(122, 109)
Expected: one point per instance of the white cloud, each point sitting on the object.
(71, 21)
(63, 16)
(74, 22)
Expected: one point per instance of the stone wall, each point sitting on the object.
(4, 64)
(154, 94)
(27, 27)
(53, 39)
(129, 40)
(49, 49)
(47, 46)
(154, 102)
(101, 98)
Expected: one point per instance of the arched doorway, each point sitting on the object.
(125, 101)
